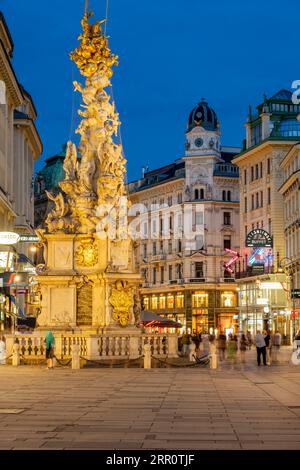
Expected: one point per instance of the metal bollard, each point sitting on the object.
(75, 356)
(16, 355)
(147, 356)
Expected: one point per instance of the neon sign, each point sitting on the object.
(232, 261)
(259, 238)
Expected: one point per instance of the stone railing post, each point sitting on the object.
(92, 347)
(58, 346)
(172, 345)
(76, 356)
(133, 347)
(147, 356)
(9, 344)
(16, 354)
(213, 355)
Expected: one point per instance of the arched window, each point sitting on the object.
(196, 193)
(224, 195)
(228, 195)
(201, 193)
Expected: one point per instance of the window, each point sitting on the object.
(257, 200)
(227, 299)
(227, 218)
(261, 169)
(199, 218)
(201, 193)
(180, 300)
(161, 248)
(179, 246)
(196, 193)
(145, 302)
(154, 303)
(145, 229)
(199, 299)
(245, 204)
(245, 177)
(162, 274)
(154, 275)
(246, 231)
(228, 195)
(179, 198)
(170, 246)
(256, 172)
(170, 201)
(199, 242)
(269, 195)
(252, 202)
(170, 273)
(261, 199)
(170, 301)
(199, 270)
(227, 242)
(171, 222)
(145, 250)
(154, 226)
(268, 166)
(162, 301)
(223, 195)
(179, 271)
(161, 226)
(270, 226)
(252, 173)
(154, 249)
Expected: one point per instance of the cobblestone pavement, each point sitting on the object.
(175, 408)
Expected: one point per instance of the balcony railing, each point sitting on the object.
(254, 271)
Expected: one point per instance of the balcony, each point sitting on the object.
(252, 271)
(156, 258)
(226, 169)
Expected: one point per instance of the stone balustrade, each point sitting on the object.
(94, 346)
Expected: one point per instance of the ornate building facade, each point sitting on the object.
(290, 166)
(188, 215)
(271, 133)
(20, 147)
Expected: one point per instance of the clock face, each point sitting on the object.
(199, 142)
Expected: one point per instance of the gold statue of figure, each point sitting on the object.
(98, 176)
(121, 299)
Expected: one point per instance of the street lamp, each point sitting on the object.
(290, 273)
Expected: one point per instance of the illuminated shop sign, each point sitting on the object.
(259, 237)
(9, 238)
(261, 256)
(28, 238)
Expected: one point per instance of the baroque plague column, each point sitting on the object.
(88, 281)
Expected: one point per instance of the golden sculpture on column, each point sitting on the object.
(87, 270)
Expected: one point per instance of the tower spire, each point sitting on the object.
(86, 7)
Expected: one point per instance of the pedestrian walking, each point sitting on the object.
(243, 348)
(50, 349)
(221, 345)
(276, 343)
(268, 341)
(260, 348)
(186, 341)
(232, 347)
(205, 342)
(249, 339)
(2, 350)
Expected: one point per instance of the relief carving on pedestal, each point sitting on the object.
(86, 254)
(121, 299)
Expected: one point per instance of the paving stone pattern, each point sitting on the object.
(176, 408)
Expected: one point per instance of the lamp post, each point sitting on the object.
(290, 273)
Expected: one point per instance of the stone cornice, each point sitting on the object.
(8, 76)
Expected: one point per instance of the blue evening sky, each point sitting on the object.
(172, 52)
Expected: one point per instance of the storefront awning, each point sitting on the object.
(152, 319)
